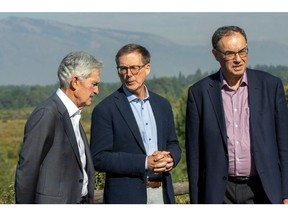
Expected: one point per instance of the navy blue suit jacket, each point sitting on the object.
(206, 137)
(118, 150)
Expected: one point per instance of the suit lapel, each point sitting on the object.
(255, 98)
(83, 135)
(89, 161)
(127, 113)
(71, 136)
(214, 91)
(68, 128)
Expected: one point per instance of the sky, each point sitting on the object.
(186, 28)
(176, 20)
(187, 24)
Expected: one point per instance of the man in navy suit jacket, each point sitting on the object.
(236, 130)
(133, 138)
(55, 165)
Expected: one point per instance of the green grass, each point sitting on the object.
(12, 124)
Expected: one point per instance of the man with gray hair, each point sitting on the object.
(55, 164)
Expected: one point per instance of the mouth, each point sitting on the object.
(129, 82)
(238, 67)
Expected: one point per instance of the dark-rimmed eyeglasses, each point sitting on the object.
(229, 55)
(134, 69)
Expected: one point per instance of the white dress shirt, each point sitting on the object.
(75, 115)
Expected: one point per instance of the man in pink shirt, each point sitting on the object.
(237, 130)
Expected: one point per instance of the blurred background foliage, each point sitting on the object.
(17, 102)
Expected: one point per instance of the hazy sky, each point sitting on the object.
(192, 28)
(182, 23)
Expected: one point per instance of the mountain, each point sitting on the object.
(31, 50)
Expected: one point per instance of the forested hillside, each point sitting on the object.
(17, 102)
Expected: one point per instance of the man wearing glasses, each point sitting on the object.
(133, 138)
(236, 130)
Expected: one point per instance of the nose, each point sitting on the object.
(128, 72)
(237, 57)
(96, 90)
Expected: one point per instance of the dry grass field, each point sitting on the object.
(12, 124)
(11, 134)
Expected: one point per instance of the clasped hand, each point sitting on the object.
(160, 161)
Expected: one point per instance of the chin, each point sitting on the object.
(88, 103)
(131, 86)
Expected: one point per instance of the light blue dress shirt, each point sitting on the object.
(145, 120)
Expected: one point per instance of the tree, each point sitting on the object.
(180, 173)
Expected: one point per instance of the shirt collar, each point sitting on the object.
(70, 106)
(132, 97)
(244, 80)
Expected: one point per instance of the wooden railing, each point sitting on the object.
(180, 188)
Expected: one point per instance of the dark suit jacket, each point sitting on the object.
(118, 150)
(206, 142)
(56, 177)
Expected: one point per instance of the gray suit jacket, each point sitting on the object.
(49, 168)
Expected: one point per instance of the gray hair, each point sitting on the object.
(79, 64)
(226, 31)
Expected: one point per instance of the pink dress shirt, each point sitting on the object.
(236, 108)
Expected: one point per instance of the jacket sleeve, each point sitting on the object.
(38, 134)
(192, 146)
(172, 141)
(282, 135)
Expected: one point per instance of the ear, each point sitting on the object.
(216, 54)
(147, 69)
(74, 82)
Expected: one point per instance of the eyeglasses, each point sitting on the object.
(134, 69)
(229, 55)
